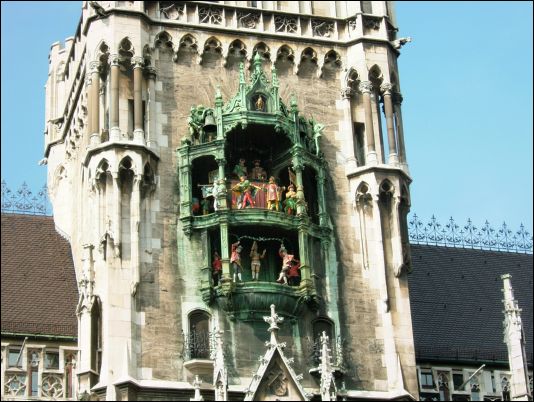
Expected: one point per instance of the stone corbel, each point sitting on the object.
(347, 93)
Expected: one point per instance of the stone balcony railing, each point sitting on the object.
(276, 23)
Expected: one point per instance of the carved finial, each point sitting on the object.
(274, 77)
(293, 103)
(273, 320)
(218, 96)
(257, 62)
(196, 385)
(242, 73)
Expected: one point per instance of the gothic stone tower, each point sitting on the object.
(151, 107)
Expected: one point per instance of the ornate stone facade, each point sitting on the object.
(158, 103)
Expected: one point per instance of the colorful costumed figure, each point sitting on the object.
(240, 169)
(290, 203)
(258, 173)
(247, 191)
(255, 264)
(217, 268)
(235, 260)
(293, 275)
(273, 195)
(286, 264)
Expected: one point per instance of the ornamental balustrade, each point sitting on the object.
(485, 237)
(266, 21)
(23, 201)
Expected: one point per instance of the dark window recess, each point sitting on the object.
(457, 379)
(359, 149)
(199, 336)
(130, 116)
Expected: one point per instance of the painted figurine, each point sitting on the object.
(293, 275)
(290, 202)
(217, 268)
(246, 190)
(235, 260)
(255, 263)
(205, 204)
(240, 169)
(219, 190)
(273, 195)
(258, 173)
(286, 264)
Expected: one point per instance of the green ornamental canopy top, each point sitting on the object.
(257, 102)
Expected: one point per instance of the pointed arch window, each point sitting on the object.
(198, 339)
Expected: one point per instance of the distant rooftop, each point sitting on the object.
(39, 291)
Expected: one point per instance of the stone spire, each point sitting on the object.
(515, 341)
(196, 385)
(328, 386)
(220, 374)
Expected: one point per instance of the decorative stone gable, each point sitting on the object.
(275, 378)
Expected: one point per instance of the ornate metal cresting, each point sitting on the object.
(469, 236)
(198, 345)
(23, 201)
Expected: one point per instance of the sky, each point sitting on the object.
(466, 80)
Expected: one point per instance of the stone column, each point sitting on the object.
(85, 287)
(397, 101)
(393, 158)
(95, 103)
(348, 128)
(323, 221)
(222, 163)
(116, 213)
(300, 188)
(305, 270)
(151, 140)
(366, 88)
(89, 92)
(114, 130)
(138, 134)
(225, 256)
(221, 196)
(135, 220)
